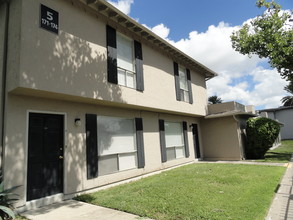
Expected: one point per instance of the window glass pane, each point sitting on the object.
(125, 53)
(183, 79)
(121, 77)
(130, 80)
(180, 152)
(171, 153)
(108, 164)
(174, 134)
(115, 135)
(127, 161)
(182, 95)
(186, 96)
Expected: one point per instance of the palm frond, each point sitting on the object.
(9, 212)
(214, 99)
(287, 101)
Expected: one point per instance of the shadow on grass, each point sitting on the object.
(277, 188)
(278, 156)
(85, 198)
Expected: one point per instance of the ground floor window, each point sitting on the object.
(174, 140)
(113, 144)
(117, 149)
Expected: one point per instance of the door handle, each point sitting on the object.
(60, 157)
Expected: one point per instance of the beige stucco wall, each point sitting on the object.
(15, 168)
(74, 64)
(225, 107)
(2, 55)
(221, 139)
(2, 37)
(14, 41)
(13, 45)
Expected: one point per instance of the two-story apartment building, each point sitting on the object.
(91, 97)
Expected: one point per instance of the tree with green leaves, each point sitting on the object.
(214, 100)
(261, 134)
(288, 100)
(270, 35)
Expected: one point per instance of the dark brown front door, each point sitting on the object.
(45, 155)
(196, 140)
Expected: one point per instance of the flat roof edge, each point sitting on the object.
(231, 113)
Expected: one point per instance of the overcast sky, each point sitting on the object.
(202, 30)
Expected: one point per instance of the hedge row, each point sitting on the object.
(261, 135)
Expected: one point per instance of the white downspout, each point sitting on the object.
(240, 141)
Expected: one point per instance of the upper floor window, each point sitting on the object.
(124, 59)
(183, 84)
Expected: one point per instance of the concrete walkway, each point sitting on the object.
(282, 205)
(75, 210)
(247, 163)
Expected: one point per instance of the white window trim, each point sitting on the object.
(125, 72)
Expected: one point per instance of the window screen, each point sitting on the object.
(125, 62)
(183, 83)
(174, 140)
(125, 52)
(116, 144)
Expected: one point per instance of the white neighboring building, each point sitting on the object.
(283, 115)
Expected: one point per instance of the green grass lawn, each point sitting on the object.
(281, 154)
(196, 191)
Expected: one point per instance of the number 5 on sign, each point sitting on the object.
(49, 16)
(49, 19)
